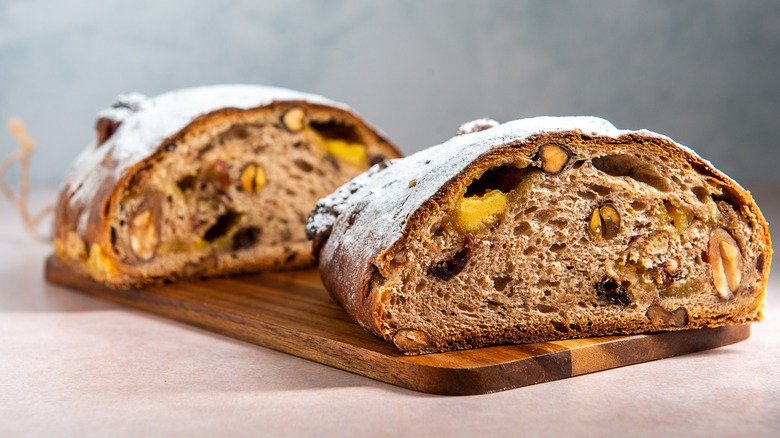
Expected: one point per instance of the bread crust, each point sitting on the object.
(350, 272)
(88, 197)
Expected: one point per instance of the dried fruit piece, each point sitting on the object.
(293, 119)
(144, 236)
(252, 178)
(725, 263)
(447, 269)
(554, 157)
(218, 173)
(604, 222)
(612, 292)
(411, 340)
(475, 212)
(681, 217)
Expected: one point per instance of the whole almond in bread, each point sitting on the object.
(542, 229)
(207, 181)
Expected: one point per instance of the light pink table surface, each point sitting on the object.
(71, 365)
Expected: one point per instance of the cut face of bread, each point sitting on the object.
(542, 229)
(207, 181)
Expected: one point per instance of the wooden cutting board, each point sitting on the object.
(292, 312)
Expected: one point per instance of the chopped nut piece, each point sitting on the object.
(293, 119)
(144, 235)
(595, 224)
(411, 340)
(610, 221)
(412, 183)
(252, 178)
(671, 266)
(604, 222)
(554, 158)
(658, 315)
(725, 263)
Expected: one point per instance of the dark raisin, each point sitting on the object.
(246, 238)
(610, 291)
(447, 269)
(760, 262)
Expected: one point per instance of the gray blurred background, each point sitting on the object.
(706, 73)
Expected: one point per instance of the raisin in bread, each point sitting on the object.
(206, 181)
(541, 229)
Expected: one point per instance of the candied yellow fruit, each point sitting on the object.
(475, 212)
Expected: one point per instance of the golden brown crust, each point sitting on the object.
(339, 261)
(90, 217)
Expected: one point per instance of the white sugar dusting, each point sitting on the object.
(146, 123)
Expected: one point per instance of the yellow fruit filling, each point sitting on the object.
(352, 153)
(475, 212)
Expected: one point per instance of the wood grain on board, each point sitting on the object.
(292, 312)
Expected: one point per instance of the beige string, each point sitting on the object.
(19, 201)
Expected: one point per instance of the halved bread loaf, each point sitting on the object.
(207, 181)
(542, 229)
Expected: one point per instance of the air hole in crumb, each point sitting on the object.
(499, 283)
(303, 165)
(438, 231)
(546, 308)
(187, 183)
(332, 129)
(559, 223)
(701, 193)
(560, 326)
(639, 206)
(239, 131)
(504, 178)
(466, 307)
(529, 250)
(589, 196)
(578, 164)
(557, 247)
(246, 238)
(222, 226)
(601, 190)
(633, 167)
(522, 229)
(545, 215)
(530, 210)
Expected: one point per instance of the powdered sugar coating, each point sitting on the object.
(146, 123)
(383, 198)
